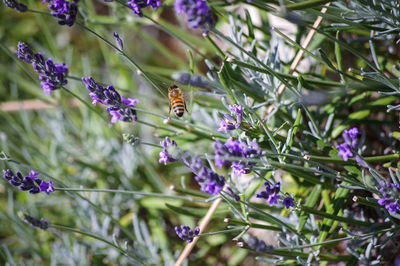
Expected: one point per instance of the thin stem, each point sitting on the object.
(142, 72)
(147, 194)
(70, 229)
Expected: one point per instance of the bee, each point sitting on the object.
(176, 100)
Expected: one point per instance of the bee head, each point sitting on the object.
(173, 87)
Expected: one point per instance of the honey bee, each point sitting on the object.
(176, 100)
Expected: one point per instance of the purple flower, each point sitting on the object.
(137, 5)
(344, 151)
(52, 75)
(270, 194)
(350, 137)
(198, 13)
(390, 196)
(288, 202)
(15, 5)
(39, 223)
(118, 40)
(169, 156)
(258, 245)
(186, 233)
(350, 142)
(120, 108)
(63, 10)
(224, 126)
(29, 183)
(238, 110)
(209, 181)
(236, 148)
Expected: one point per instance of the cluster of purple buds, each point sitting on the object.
(258, 245)
(198, 13)
(170, 152)
(63, 10)
(120, 108)
(270, 194)
(351, 142)
(390, 196)
(236, 148)
(228, 122)
(186, 233)
(15, 5)
(52, 76)
(29, 183)
(39, 223)
(209, 181)
(137, 5)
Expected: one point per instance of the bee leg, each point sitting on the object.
(169, 113)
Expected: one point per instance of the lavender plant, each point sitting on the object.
(275, 161)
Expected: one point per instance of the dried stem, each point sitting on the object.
(34, 104)
(298, 57)
(202, 226)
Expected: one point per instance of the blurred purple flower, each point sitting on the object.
(186, 233)
(166, 156)
(258, 245)
(288, 202)
(344, 151)
(120, 108)
(29, 183)
(350, 143)
(15, 5)
(198, 13)
(236, 148)
(52, 76)
(137, 5)
(63, 10)
(270, 194)
(39, 223)
(350, 137)
(209, 181)
(390, 196)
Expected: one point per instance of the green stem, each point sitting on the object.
(115, 221)
(333, 241)
(162, 92)
(222, 231)
(70, 229)
(147, 194)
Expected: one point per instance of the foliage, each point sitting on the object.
(305, 161)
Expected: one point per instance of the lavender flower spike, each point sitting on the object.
(63, 10)
(52, 75)
(350, 137)
(39, 223)
(29, 183)
(198, 13)
(288, 202)
(137, 5)
(270, 194)
(120, 108)
(236, 148)
(170, 152)
(210, 182)
(15, 5)
(390, 196)
(184, 232)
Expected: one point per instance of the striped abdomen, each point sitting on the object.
(179, 107)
